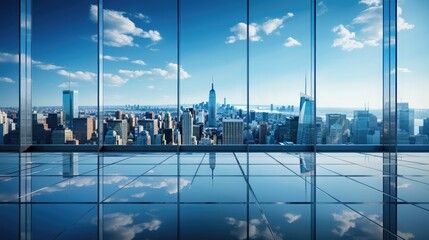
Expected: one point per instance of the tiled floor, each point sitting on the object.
(213, 196)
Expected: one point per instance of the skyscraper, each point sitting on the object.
(306, 128)
(263, 132)
(405, 118)
(187, 128)
(232, 131)
(212, 107)
(83, 128)
(70, 106)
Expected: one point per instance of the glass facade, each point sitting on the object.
(178, 73)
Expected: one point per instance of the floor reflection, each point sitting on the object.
(214, 196)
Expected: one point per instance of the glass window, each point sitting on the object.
(349, 71)
(280, 78)
(140, 72)
(64, 72)
(412, 72)
(9, 72)
(213, 80)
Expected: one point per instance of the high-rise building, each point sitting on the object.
(306, 125)
(150, 125)
(364, 124)
(405, 119)
(70, 107)
(120, 127)
(82, 129)
(265, 116)
(118, 115)
(168, 122)
(187, 127)
(263, 132)
(337, 136)
(144, 138)
(292, 128)
(54, 120)
(61, 135)
(232, 131)
(212, 107)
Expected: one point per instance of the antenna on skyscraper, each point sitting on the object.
(305, 83)
(212, 82)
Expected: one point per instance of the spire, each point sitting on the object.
(305, 82)
(212, 82)
(212, 177)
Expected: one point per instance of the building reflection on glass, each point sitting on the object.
(212, 163)
(306, 163)
(70, 165)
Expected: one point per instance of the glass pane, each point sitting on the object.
(349, 71)
(213, 83)
(64, 72)
(279, 72)
(9, 72)
(140, 79)
(412, 72)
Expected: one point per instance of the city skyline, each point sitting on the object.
(146, 74)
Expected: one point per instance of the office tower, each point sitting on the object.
(197, 131)
(120, 127)
(112, 138)
(177, 137)
(149, 115)
(405, 119)
(118, 115)
(232, 131)
(263, 132)
(143, 138)
(252, 116)
(159, 139)
(303, 98)
(265, 116)
(425, 127)
(364, 125)
(168, 122)
(292, 128)
(83, 128)
(306, 128)
(150, 125)
(169, 136)
(212, 107)
(70, 107)
(337, 136)
(70, 165)
(4, 130)
(61, 135)
(201, 117)
(187, 128)
(54, 120)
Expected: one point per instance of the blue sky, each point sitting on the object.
(140, 51)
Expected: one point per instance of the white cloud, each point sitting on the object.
(115, 179)
(114, 59)
(371, 2)
(291, 218)
(153, 35)
(240, 32)
(78, 182)
(404, 70)
(119, 30)
(7, 57)
(47, 67)
(143, 17)
(406, 235)
(291, 42)
(321, 8)
(121, 226)
(6, 80)
(68, 85)
(114, 80)
(346, 221)
(80, 75)
(404, 185)
(139, 62)
(345, 39)
(139, 195)
(169, 184)
(134, 74)
(257, 229)
(151, 87)
(273, 24)
(402, 25)
(170, 72)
